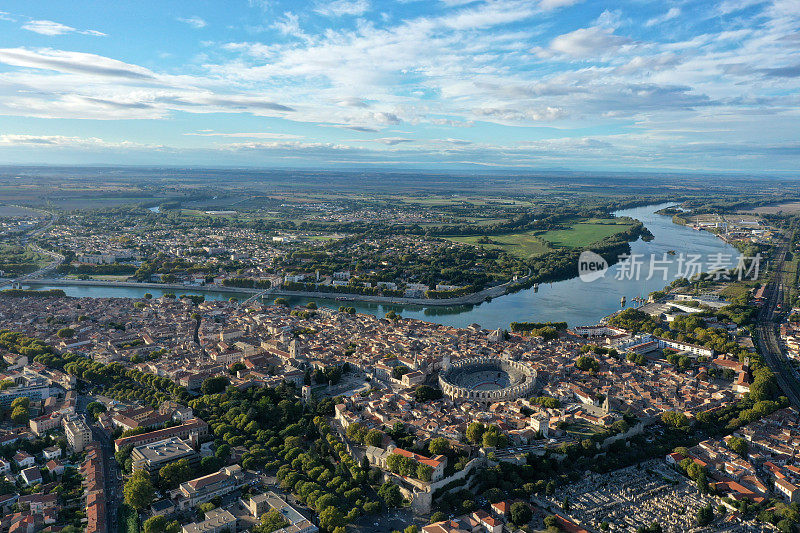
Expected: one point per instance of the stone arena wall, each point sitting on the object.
(513, 368)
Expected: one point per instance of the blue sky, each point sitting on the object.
(450, 84)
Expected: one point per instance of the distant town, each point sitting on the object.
(177, 412)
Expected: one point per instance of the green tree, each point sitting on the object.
(173, 474)
(390, 494)
(475, 432)
(439, 446)
(587, 363)
(374, 437)
(65, 333)
(399, 371)
(490, 439)
(271, 521)
(206, 507)
(675, 419)
(424, 472)
(705, 515)
(94, 409)
(331, 517)
(424, 393)
(521, 513)
(223, 451)
(156, 524)
(214, 385)
(19, 415)
(738, 445)
(139, 491)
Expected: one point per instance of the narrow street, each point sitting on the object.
(111, 483)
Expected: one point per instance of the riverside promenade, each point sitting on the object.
(467, 299)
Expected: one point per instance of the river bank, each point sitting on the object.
(573, 301)
(467, 299)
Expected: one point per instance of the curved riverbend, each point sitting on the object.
(573, 301)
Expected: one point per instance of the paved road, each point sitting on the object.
(768, 342)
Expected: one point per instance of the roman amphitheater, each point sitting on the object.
(487, 379)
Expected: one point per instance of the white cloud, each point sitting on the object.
(457, 3)
(338, 8)
(290, 25)
(62, 141)
(586, 42)
(244, 135)
(731, 6)
(488, 15)
(195, 22)
(72, 62)
(392, 141)
(674, 12)
(48, 27)
(507, 114)
(555, 4)
(260, 4)
(462, 66)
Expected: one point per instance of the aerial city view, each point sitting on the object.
(401, 266)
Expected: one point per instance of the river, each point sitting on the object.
(574, 301)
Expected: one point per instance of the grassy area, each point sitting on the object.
(529, 244)
(584, 233)
(522, 245)
(16, 260)
(101, 277)
(582, 429)
(789, 273)
(738, 290)
(786, 207)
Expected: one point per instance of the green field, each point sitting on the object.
(522, 245)
(530, 244)
(584, 233)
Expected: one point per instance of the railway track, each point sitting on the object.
(768, 340)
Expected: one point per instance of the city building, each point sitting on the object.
(205, 488)
(182, 431)
(151, 457)
(261, 503)
(216, 520)
(78, 433)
